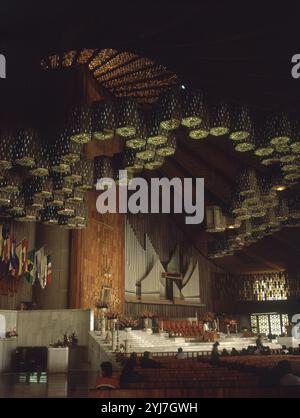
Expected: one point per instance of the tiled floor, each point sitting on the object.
(34, 385)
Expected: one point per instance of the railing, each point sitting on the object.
(204, 353)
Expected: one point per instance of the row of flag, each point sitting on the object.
(32, 265)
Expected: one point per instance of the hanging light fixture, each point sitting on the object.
(282, 209)
(131, 163)
(272, 159)
(245, 229)
(167, 149)
(60, 183)
(5, 199)
(103, 120)
(268, 195)
(127, 117)
(66, 222)
(75, 175)
(237, 208)
(202, 131)
(41, 167)
(215, 220)
(17, 204)
(80, 216)
(257, 210)
(7, 139)
(103, 171)
(49, 215)
(241, 124)
(58, 198)
(295, 148)
(154, 164)
(170, 109)
(232, 222)
(219, 118)
(80, 124)
(43, 187)
(56, 163)
(76, 196)
(155, 135)
(258, 224)
(272, 220)
(86, 168)
(246, 182)
(192, 108)
(69, 151)
(278, 130)
(25, 147)
(30, 214)
(294, 205)
(278, 183)
(11, 183)
(263, 148)
(68, 209)
(147, 154)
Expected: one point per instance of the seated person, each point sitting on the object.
(284, 350)
(286, 377)
(107, 380)
(266, 351)
(224, 353)
(147, 362)
(129, 375)
(251, 349)
(215, 355)
(180, 354)
(234, 352)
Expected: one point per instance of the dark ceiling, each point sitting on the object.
(239, 50)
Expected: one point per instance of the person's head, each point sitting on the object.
(284, 347)
(216, 344)
(147, 354)
(106, 369)
(284, 367)
(133, 356)
(180, 350)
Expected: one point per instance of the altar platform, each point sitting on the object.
(140, 341)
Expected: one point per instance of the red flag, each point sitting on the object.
(49, 269)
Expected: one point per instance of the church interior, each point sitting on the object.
(189, 91)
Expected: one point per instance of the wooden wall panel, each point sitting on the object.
(93, 249)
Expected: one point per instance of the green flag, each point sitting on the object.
(30, 273)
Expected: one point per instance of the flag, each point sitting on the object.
(13, 259)
(40, 266)
(6, 244)
(21, 250)
(45, 272)
(1, 241)
(30, 273)
(49, 269)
